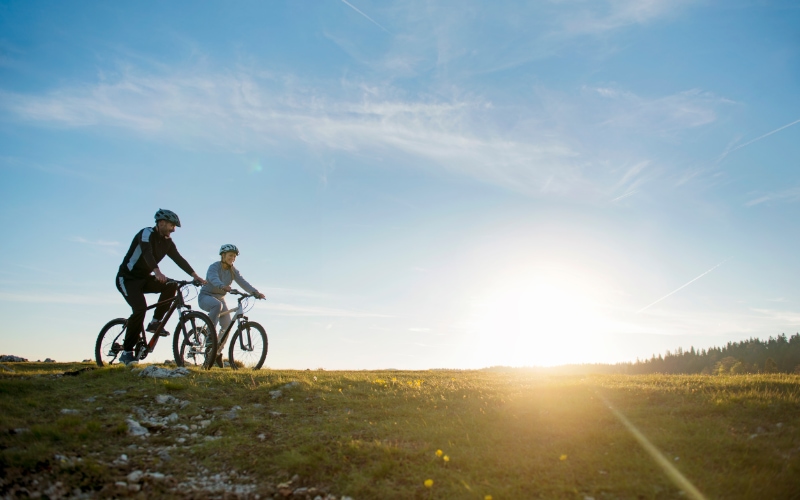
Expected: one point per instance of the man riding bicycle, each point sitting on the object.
(139, 274)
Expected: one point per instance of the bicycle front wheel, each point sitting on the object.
(195, 341)
(248, 347)
(109, 342)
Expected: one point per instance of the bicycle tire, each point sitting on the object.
(248, 346)
(109, 342)
(195, 329)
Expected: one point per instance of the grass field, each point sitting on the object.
(394, 434)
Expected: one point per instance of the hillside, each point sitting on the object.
(368, 434)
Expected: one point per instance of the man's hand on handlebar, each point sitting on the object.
(160, 276)
(260, 296)
(198, 279)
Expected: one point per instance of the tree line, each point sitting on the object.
(775, 355)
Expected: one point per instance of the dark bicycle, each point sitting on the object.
(194, 342)
(249, 344)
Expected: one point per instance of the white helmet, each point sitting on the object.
(228, 248)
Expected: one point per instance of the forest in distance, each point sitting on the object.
(779, 354)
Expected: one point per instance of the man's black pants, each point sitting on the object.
(133, 290)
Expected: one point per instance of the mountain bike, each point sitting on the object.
(249, 344)
(194, 340)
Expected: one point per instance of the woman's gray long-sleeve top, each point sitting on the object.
(219, 277)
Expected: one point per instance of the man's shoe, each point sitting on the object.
(219, 361)
(152, 329)
(127, 358)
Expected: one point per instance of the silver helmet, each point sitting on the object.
(228, 248)
(168, 215)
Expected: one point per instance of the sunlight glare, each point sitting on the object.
(541, 316)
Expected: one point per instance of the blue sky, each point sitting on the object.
(412, 184)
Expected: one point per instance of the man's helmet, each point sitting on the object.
(228, 248)
(168, 215)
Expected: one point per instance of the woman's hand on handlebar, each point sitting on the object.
(260, 295)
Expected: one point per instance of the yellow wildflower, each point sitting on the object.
(446, 458)
(439, 453)
(487, 497)
(562, 457)
(428, 483)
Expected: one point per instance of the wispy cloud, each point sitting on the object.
(302, 310)
(667, 114)
(372, 20)
(679, 288)
(101, 243)
(781, 316)
(790, 195)
(731, 150)
(60, 298)
(247, 111)
(466, 134)
(594, 18)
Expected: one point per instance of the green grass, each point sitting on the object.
(375, 434)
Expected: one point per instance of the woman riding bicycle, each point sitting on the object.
(220, 275)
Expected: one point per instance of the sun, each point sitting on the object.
(544, 315)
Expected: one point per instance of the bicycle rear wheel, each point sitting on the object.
(109, 342)
(195, 341)
(248, 348)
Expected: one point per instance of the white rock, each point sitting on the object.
(135, 476)
(68, 411)
(121, 484)
(156, 372)
(275, 394)
(165, 399)
(136, 429)
(172, 418)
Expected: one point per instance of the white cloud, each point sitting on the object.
(60, 298)
(595, 18)
(791, 195)
(246, 110)
(100, 243)
(667, 114)
(302, 310)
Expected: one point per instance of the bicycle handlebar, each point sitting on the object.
(182, 284)
(244, 295)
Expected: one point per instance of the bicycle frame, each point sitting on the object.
(237, 316)
(177, 302)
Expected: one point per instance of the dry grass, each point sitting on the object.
(375, 434)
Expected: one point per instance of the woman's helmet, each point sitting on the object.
(169, 216)
(228, 248)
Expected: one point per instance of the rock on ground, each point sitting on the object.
(156, 372)
(10, 358)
